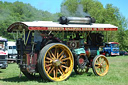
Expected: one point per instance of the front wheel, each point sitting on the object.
(100, 65)
(55, 62)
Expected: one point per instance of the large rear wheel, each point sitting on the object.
(55, 62)
(100, 65)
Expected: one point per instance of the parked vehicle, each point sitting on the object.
(12, 52)
(3, 53)
(123, 53)
(43, 47)
(111, 49)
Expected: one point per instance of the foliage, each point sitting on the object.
(19, 11)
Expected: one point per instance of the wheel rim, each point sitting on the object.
(101, 65)
(58, 62)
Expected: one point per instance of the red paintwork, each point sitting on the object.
(1, 53)
(34, 59)
(15, 26)
(81, 60)
(103, 53)
(71, 29)
(33, 62)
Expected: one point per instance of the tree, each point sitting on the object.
(18, 11)
(108, 15)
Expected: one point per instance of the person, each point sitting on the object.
(37, 36)
(38, 39)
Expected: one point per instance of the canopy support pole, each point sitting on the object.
(107, 35)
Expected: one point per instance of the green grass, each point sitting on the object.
(117, 75)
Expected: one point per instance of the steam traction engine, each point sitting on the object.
(69, 44)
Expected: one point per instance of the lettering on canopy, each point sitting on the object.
(71, 29)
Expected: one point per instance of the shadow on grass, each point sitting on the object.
(89, 74)
(75, 75)
(0, 72)
(112, 56)
(38, 78)
(22, 79)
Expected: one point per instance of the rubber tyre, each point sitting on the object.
(41, 62)
(29, 76)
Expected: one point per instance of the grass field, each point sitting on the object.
(117, 75)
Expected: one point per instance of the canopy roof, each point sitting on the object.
(112, 43)
(55, 26)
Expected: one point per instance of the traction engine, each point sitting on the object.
(59, 47)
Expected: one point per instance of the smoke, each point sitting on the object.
(78, 13)
(65, 12)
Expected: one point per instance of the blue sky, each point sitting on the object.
(53, 6)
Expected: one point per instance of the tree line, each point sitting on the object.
(19, 11)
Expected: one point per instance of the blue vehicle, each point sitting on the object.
(111, 49)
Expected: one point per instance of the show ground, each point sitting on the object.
(117, 75)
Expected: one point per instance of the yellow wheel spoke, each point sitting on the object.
(55, 51)
(102, 60)
(53, 55)
(62, 69)
(97, 65)
(51, 70)
(64, 66)
(48, 69)
(103, 69)
(65, 59)
(54, 73)
(50, 55)
(49, 58)
(98, 61)
(60, 53)
(63, 62)
(104, 64)
(61, 57)
(47, 61)
(57, 55)
(100, 70)
(48, 65)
